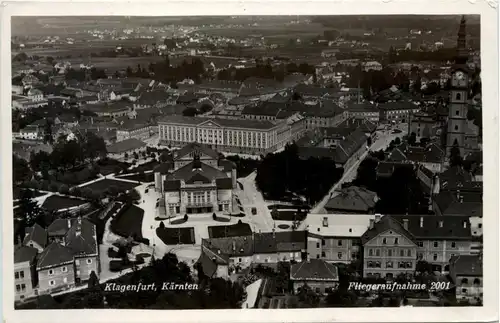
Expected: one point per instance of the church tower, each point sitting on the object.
(460, 83)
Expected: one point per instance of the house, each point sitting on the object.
(117, 109)
(361, 123)
(386, 169)
(70, 257)
(273, 247)
(364, 110)
(214, 263)
(438, 238)
(321, 276)
(388, 249)
(34, 95)
(424, 125)
(126, 147)
(352, 200)
(36, 237)
(31, 132)
(336, 237)
(458, 203)
(25, 278)
(132, 129)
(155, 98)
(466, 272)
(239, 250)
(372, 66)
(431, 157)
(397, 112)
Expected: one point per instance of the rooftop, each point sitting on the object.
(314, 269)
(125, 145)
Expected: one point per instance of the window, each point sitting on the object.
(239, 259)
(377, 252)
(457, 112)
(317, 256)
(396, 240)
(389, 264)
(420, 255)
(18, 288)
(317, 244)
(323, 242)
(401, 253)
(340, 243)
(477, 281)
(458, 96)
(23, 287)
(480, 225)
(51, 272)
(408, 265)
(456, 127)
(323, 255)
(435, 256)
(77, 262)
(436, 244)
(64, 269)
(408, 253)
(465, 281)
(339, 255)
(420, 244)
(378, 264)
(389, 253)
(464, 291)
(369, 264)
(453, 244)
(370, 252)
(384, 241)
(16, 274)
(52, 282)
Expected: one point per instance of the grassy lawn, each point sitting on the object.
(56, 202)
(291, 215)
(102, 185)
(128, 223)
(173, 236)
(238, 229)
(143, 178)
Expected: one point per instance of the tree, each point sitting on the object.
(64, 189)
(397, 141)
(308, 297)
(20, 169)
(412, 139)
(423, 266)
(162, 225)
(190, 112)
(28, 209)
(455, 157)
(93, 146)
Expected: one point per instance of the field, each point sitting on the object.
(102, 185)
(222, 231)
(56, 202)
(171, 236)
(129, 223)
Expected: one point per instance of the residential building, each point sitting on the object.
(458, 203)
(239, 251)
(388, 249)
(372, 66)
(126, 147)
(113, 110)
(336, 237)
(213, 263)
(196, 181)
(322, 277)
(25, 278)
(431, 157)
(273, 247)
(352, 200)
(36, 237)
(364, 110)
(130, 129)
(423, 125)
(31, 132)
(239, 136)
(466, 272)
(397, 112)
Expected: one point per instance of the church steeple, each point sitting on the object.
(462, 54)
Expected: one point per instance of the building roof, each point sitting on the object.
(195, 146)
(24, 253)
(352, 143)
(36, 234)
(353, 198)
(216, 122)
(314, 269)
(81, 238)
(338, 225)
(363, 124)
(264, 109)
(239, 100)
(60, 227)
(362, 107)
(286, 241)
(125, 145)
(399, 105)
(434, 227)
(454, 178)
(386, 223)
(467, 265)
(107, 107)
(232, 246)
(54, 255)
(152, 98)
(224, 183)
(194, 172)
(460, 203)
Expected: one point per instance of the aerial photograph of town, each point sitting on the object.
(240, 162)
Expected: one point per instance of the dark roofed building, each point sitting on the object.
(321, 276)
(36, 237)
(466, 272)
(128, 146)
(458, 203)
(353, 199)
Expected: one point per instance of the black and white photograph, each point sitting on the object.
(247, 162)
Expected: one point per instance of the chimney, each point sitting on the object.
(421, 221)
(372, 223)
(465, 224)
(234, 245)
(440, 224)
(377, 218)
(405, 224)
(218, 251)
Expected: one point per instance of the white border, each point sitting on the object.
(489, 61)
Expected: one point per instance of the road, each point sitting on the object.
(250, 197)
(383, 140)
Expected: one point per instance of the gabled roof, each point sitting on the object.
(286, 241)
(189, 148)
(36, 234)
(60, 227)
(463, 203)
(432, 227)
(353, 198)
(346, 148)
(24, 253)
(314, 269)
(363, 124)
(231, 246)
(81, 238)
(467, 265)
(190, 173)
(54, 255)
(386, 223)
(396, 155)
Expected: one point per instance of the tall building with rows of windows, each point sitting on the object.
(226, 135)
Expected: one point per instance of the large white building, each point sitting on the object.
(196, 180)
(226, 135)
